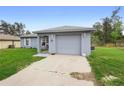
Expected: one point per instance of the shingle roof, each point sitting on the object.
(65, 29)
(9, 37)
(30, 35)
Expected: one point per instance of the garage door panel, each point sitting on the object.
(68, 44)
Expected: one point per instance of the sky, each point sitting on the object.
(42, 17)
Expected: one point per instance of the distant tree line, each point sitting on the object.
(109, 29)
(16, 28)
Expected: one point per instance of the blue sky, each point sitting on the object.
(40, 17)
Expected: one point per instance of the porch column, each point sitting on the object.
(38, 44)
(52, 43)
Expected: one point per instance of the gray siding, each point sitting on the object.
(33, 43)
(52, 43)
(85, 44)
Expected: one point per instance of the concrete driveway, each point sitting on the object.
(53, 70)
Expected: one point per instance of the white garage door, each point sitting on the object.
(68, 44)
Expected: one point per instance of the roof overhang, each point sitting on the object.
(65, 29)
(8, 37)
(29, 36)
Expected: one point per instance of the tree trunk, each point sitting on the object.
(115, 44)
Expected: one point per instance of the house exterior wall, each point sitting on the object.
(17, 44)
(22, 42)
(52, 43)
(39, 41)
(85, 42)
(5, 44)
(33, 42)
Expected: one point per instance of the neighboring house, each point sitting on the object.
(6, 40)
(73, 40)
(1, 31)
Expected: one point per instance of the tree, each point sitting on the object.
(109, 29)
(117, 26)
(17, 29)
(115, 12)
(4, 26)
(28, 32)
(97, 36)
(114, 36)
(103, 30)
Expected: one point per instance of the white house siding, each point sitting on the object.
(33, 42)
(52, 43)
(85, 44)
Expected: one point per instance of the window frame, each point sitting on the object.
(27, 42)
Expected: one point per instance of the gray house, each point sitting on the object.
(73, 40)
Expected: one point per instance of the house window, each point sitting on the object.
(44, 41)
(27, 42)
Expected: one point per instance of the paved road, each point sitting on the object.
(53, 70)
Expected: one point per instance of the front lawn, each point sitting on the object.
(13, 60)
(108, 65)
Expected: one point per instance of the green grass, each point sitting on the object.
(13, 60)
(108, 61)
